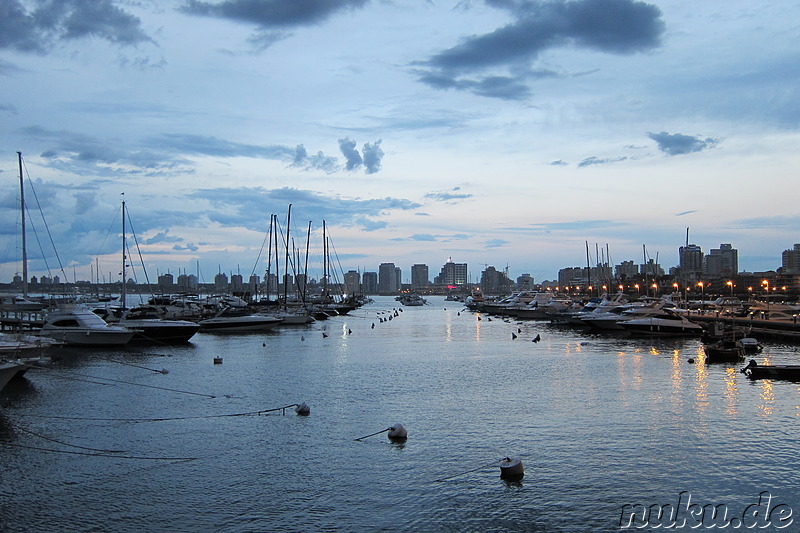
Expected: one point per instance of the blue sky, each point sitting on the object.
(496, 132)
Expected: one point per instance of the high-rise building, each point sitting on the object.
(352, 282)
(452, 274)
(525, 282)
(722, 261)
(237, 283)
(790, 260)
(387, 278)
(494, 281)
(369, 282)
(221, 282)
(398, 279)
(690, 262)
(419, 276)
(626, 270)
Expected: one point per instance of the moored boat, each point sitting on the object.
(670, 323)
(151, 326)
(79, 326)
(238, 320)
(783, 372)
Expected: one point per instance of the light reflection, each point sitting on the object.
(731, 390)
(701, 381)
(767, 396)
(677, 378)
(478, 329)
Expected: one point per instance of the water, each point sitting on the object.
(599, 421)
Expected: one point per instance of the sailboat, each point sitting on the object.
(148, 321)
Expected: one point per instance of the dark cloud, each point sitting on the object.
(352, 157)
(678, 143)
(273, 13)
(55, 21)
(272, 17)
(611, 26)
(170, 154)
(372, 156)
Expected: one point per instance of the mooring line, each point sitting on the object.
(467, 471)
(25, 430)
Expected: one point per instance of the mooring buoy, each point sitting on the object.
(511, 468)
(302, 409)
(397, 433)
(218, 360)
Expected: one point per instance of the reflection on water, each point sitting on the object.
(599, 421)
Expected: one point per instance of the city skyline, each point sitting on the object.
(493, 132)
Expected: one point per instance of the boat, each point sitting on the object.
(150, 325)
(79, 326)
(751, 345)
(238, 320)
(724, 351)
(412, 300)
(784, 372)
(670, 323)
(8, 369)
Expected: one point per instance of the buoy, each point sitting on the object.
(218, 360)
(349, 331)
(302, 337)
(324, 334)
(373, 325)
(511, 468)
(263, 344)
(691, 361)
(398, 433)
(302, 409)
(537, 338)
(519, 330)
(513, 335)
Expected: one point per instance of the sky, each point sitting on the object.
(508, 133)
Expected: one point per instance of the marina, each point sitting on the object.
(160, 438)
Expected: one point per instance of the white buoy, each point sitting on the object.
(398, 433)
(302, 409)
(511, 468)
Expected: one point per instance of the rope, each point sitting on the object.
(199, 417)
(136, 457)
(24, 430)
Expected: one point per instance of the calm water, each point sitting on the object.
(599, 422)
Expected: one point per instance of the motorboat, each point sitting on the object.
(668, 323)
(80, 326)
(238, 320)
(150, 325)
(412, 300)
(9, 369)
(785, 372)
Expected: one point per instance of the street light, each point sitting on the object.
(730, 284)
(637, 289)
(702, 295)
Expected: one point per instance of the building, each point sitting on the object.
(626, 270)
(494, 281)
(369, 282)
(452, 274)
(387, 278)
(237, 283)
(790, 260)
(352, 282)
(651, 269)
(221, 282)
(525, 282)
(690, 263)
(419, 276)
(721, 262)
(398, 279)
(165, 282)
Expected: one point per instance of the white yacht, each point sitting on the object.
(79, 326)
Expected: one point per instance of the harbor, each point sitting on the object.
(158, 438)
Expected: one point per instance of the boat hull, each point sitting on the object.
(225, 325)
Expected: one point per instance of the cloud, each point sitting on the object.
(685, 213)
(424, 237)
(244, 207)
(610, 26)
(678, 143)
(495, 243)
(559, 163)
(590, 161)
(272, 17)
(58, 21)
(446, 196)
(273, 13)
(350, 153)
(372, 156)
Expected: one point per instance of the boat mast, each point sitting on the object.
(24, 245)
(124, 290)
(286, 259)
